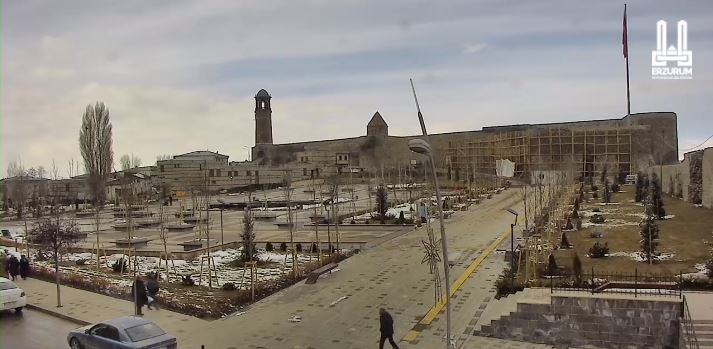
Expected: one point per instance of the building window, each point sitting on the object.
(210, 173)
(217, 173)
(176, 165)
(257, 173)
(248, 173)
(212, 182)
(304, 172)
(161, 168)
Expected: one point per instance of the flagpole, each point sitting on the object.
(626, 55)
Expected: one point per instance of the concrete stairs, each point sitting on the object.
(700, 305)
(586, 320)
(505, 306)
(704, 333)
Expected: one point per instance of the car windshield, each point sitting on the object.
(7, 285)
(145, 331)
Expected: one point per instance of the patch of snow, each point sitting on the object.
(639, 256)
(337, 301)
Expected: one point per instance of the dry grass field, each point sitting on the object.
(686, 236)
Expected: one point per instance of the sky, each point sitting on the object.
(179, 76)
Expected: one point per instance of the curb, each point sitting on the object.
(56, 314)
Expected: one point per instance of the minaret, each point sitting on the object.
(263, 118)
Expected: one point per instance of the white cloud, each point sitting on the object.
(473, 48)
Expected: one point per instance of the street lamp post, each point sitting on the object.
(512, 249)
(422, 147)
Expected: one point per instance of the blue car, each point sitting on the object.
(127, 332)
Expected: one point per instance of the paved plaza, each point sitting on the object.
(341, 309)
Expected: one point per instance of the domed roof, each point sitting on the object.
(262, 94)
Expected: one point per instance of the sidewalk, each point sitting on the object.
(82, 307)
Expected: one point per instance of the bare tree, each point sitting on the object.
(17, 188)
(55, 236)
(95, 145)
(15, 168)
(129, 161)
(125, 162)
(70, 171)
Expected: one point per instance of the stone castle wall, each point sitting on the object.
(655, 141)
(691, 179)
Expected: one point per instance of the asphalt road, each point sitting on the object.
(32, 329)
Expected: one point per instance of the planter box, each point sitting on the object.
(133, 243)
(180, 227)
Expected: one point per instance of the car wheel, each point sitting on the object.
(18, 310)
(74, 344)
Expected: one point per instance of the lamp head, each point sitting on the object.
(513, 212)
(420, 146)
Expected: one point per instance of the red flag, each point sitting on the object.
(624, 40)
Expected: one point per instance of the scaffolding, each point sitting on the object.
(583, 151)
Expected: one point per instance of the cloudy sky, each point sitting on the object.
(180, 76)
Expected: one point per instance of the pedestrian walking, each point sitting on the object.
(152, 287)
(386, 328)
(13, 267)
(4, 257)
(24, 267)
(138, 291)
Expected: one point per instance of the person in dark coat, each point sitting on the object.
(138, 291)
(386, 328)
(4, 258)
(152, 287)
(24, 267)
(13, 267)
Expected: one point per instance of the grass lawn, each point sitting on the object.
(687, 236)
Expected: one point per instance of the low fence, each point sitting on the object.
(631, 283)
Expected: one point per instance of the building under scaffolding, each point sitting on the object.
(581, 151)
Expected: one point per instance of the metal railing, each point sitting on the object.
(635, 283)
(688, 335)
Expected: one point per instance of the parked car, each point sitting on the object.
(11, 296)
(127, 332)
(12, 234)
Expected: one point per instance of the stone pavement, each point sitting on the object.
(341, 309)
